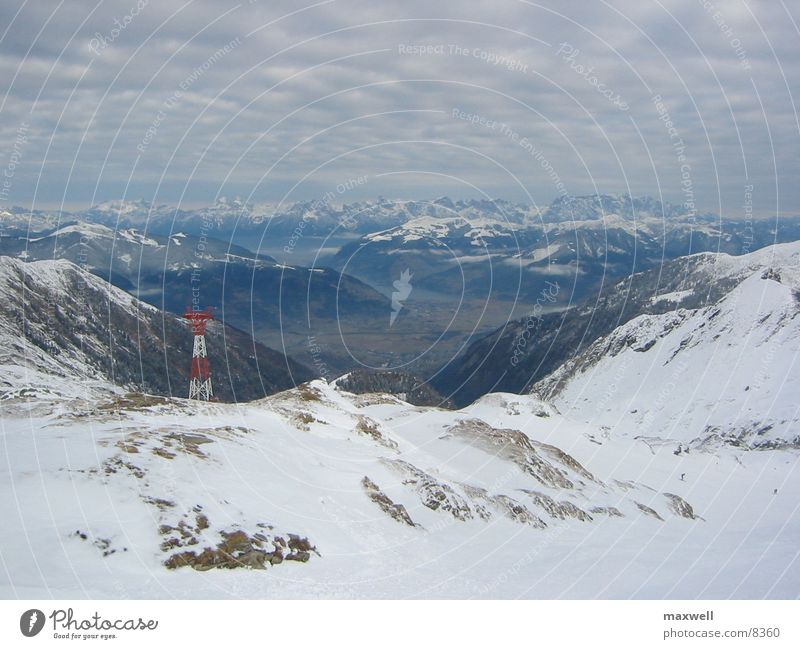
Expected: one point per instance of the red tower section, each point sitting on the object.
(200, 381)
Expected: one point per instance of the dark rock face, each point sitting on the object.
(407, 387)
(83, 320)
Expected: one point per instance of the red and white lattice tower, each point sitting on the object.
(200, 382)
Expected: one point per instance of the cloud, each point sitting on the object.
(278, 101)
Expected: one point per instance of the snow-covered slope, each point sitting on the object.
(126, 254)
(36, 300)
(318, 217)
(64, 329)
(328, 215)
(730, 370)
(342, 495)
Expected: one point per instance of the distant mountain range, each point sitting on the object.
(233, 217)
(473, 266)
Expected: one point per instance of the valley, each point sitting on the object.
(628, 470)
(475, 267)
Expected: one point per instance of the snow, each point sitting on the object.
(477, 229)
(28, 366)
(82, 460)
(264, 465)
(88, 230)
(674, 296)
(730, 370)
(540, 254)
(136, 237)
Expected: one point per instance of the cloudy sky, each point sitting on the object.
(184, 102)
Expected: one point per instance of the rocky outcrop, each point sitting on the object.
(515, 446)
(395, 510)
(434, 494)
(679, 506)
(649, 511)
(238, 549)
(560, 510)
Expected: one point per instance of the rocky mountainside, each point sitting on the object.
(335, 490)
(523, 352)
(227, 217)
(472, 267)
(277, 304)
(597, 207)
(60, 324)
(126, 257)
(730, 370)
(404, 386)
(320, 217)
(317, 492)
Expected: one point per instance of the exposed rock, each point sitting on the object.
(237, 549)
(162, 452)
(679, 506)
(300, 543)
(434, 494)
(395, 510)
(566, 459)
(608, 511)
(406, 387)
(649, 511)
(506, 505)
(104, 545)
(561, 510)
(516, 511)
(370, 428)
(517, 447)
(190, 443)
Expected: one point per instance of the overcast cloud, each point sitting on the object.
(284, 100)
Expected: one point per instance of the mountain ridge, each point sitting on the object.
(59, 320)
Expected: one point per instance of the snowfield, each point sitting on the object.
(503, 499)
(727, 371)
(661, 462)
